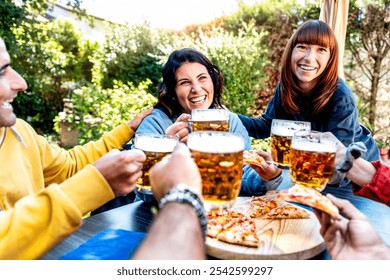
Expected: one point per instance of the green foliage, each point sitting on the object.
(131, 54)
(53, 59)
(11, 15)
(261, 144)
(96, 110)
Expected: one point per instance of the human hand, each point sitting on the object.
(134, 123)
(121, 169)
(352, 236)
(178, 167)
(180, 127)
(268, 170)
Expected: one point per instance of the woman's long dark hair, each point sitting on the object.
(167, 97)
(312, 32)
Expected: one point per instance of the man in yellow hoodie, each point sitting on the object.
(45, 190)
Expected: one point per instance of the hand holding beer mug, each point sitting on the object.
(155, 147)
(282, 132)
(312, 158)
(219, 157)
(209, 119)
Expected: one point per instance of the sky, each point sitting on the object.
(172, 14)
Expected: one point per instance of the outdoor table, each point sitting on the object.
(138, 217)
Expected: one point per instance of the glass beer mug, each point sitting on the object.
(312, 158)
(155, 147)
(281, 135)
(219, 157)
(209, 119)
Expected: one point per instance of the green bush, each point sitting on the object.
(95, 110)
(53, 58)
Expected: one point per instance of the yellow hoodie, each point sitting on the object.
(39, 205)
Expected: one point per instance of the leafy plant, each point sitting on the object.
(95, 110)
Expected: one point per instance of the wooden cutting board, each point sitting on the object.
(284, 239)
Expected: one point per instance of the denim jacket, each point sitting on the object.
(252, 183)
(340, 117)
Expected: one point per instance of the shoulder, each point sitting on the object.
(343, 95)
(343, 91)
(233, 117)
(157, 121)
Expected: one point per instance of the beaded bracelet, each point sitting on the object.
(183, 194)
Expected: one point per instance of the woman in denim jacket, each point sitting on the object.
(310, 90)
(192, 81)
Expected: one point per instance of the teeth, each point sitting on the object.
(198, 99)
(6, 104)
(307, 68)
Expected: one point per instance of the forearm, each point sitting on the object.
(176, 234)
(362, 172)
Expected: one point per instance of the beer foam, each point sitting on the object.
(323, 147)
(216, 143)
(209, 115)
(285, 131)
(155, 144)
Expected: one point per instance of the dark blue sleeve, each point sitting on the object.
(345, 125)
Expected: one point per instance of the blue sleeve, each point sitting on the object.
(236, 126)
(344, 122)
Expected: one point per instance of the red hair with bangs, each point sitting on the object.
(312, 32)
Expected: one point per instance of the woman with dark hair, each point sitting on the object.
(310, 90)
(192, 81)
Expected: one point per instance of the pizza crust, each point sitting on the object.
(310, 197)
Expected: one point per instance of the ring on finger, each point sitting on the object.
(177, 135)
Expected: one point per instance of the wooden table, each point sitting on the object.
(138, 217)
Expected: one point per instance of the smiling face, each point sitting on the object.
(194, 87)
(10, 83)
(308, 62)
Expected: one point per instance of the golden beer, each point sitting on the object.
(281, 135)
(210, 125)
(209, 119)
(219, 157)
(312, 161)
(280, 149)
(155, 148)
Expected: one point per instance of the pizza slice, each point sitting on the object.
(218, 218)
(310, 197)
(287, 211)
(252, 158)
(260, 206)
(240, 231)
